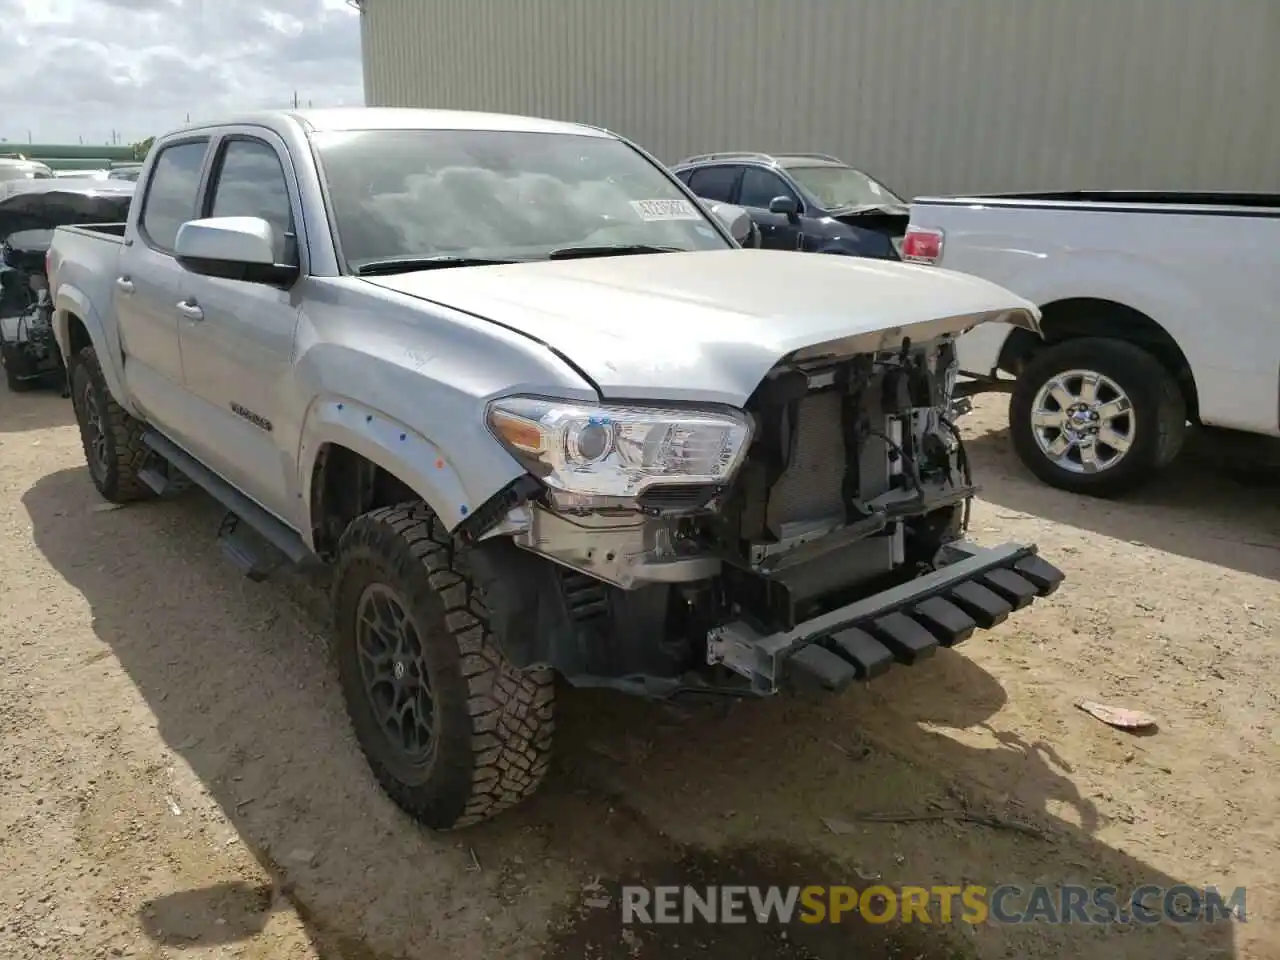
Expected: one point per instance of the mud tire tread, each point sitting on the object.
(494, 723)
(126, 453)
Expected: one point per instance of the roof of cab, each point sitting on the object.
(338, 119)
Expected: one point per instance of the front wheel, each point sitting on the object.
(451, 730)
(1096, 416)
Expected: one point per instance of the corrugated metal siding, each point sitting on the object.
(941, 96)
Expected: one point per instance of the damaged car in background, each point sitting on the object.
(803, 201)
(542, 414)
(30, 210)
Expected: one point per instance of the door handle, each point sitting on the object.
(124, 284)
(191, 311)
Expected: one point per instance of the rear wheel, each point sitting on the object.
(1096, 416)
(112, 440)
(452, 731)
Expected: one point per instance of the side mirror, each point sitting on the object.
(789, 206)
(233, 248)
(735, 219)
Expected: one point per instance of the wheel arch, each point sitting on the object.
(1077, 317)
(354, 459)
(76, 325)
(76, 336)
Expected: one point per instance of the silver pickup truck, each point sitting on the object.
(542, 415)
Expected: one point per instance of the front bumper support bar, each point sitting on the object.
(977, 589)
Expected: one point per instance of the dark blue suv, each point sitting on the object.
(804, 201)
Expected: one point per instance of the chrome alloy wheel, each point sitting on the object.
(1083, 421)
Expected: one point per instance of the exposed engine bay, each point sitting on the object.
(854, 482)
(28, 218)
(26, 309)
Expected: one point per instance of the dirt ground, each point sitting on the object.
(177, 778)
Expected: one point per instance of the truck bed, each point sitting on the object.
(1223, 204)
(99, 231)
(86, 258)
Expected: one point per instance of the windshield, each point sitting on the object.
(499, 195)
(844, 187)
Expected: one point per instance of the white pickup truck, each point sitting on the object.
(1158, 309)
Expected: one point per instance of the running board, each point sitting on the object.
(253, 558)
(163, 477)
(248, 552)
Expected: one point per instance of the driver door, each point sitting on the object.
(777, 231)
(237, 337)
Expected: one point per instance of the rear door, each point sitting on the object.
(777, 231)
(149, 283)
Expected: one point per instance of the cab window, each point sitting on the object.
(251, 183)
(172, 192)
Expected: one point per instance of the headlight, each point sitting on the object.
(618, 451)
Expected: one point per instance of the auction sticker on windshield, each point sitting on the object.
(665, 210)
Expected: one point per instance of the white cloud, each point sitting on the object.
(87, 68)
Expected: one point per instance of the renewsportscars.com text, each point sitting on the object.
(1005, 904)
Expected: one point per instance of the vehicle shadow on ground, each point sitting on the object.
(237, 677)
(38, 409)
(1196, 509)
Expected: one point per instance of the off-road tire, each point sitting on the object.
(117, 479)
(1159, 408)
(16, 366)
(492, 723)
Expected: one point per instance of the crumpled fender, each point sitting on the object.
(859, 244)
(392, 445)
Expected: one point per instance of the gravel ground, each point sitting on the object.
(177, 777)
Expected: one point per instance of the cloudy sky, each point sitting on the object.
(78, 69)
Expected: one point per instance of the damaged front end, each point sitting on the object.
(812, 539)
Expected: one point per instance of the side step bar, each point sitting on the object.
(255, 556)
(163, 477)
(906, 624)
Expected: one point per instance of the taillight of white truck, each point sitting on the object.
(922, 245)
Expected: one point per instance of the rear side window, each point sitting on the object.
(251, 183)
(714, 183)
(172, 192)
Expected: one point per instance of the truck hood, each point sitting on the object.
(708, 326)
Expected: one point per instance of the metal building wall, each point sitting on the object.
(931, 95)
